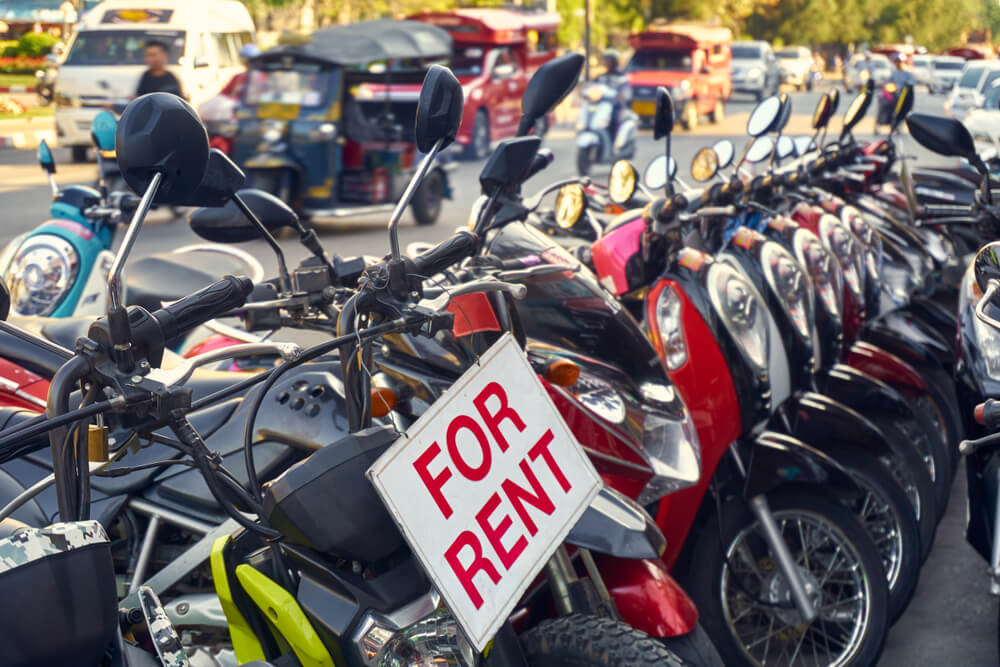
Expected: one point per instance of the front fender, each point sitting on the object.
(617, 526)
(885, 366)
(909, 339)
(861, 391)
(935, 315)
(647, 597)
(829, 425)
(588, 139)
(778, 459)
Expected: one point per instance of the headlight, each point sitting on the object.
(741, 309)
(600, 398)
(41, 274)
(823, 268)
(754, 72)
(987, 338)
(672, 451)
(271, 131)
(313, 132)
(847, 249)
(434, 639)
(789, 282)
(668, 321)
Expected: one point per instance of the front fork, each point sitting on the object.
(994, 570)
(573, 595)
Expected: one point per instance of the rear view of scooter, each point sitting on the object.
(606, 128)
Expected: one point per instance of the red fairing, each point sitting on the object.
(612, 252)
(707, 389)
(885, 366)
(18, 380)
(647, 596)
(807, 216)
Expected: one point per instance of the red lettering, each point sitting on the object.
(503, 412)
(479, 563)
(495, 533)
(541, 448)
(470, 473)
(431, 482)
(538, 499)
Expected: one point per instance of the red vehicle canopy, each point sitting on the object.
(490, 26)
(680, 36)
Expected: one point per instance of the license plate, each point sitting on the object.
(278, 111)
(485, 486)
(644, 108)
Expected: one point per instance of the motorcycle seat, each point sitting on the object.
(165, 277)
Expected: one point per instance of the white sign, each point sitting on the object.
(486, 486)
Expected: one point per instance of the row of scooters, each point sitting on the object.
(760, 369)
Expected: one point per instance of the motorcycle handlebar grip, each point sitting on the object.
(450, 251)
(207, 303)
(543, 158)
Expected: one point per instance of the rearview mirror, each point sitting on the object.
(987, 265)
(102, 130)
(509, 163)
(834, 101)
(439, 109)
(763, 116)
(705, 164)
(569, 205)
(228, 224)
(725, 151)
(786, 147)
(944, 136)
(663, 121)
(622, 182)
(160, 133)
(221, 180)
(548, 87)
(856, 111)
(786, 112)
(657, 174)
(904, 104)
(760, 149)
(45, 158)
(823, 111)
(803, 145)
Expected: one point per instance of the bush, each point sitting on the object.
(35, 44)
(8, 48)
(21, 65)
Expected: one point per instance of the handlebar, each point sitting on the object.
(543, 158)
(206, 304)
(450, 251)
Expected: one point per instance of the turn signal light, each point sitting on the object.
(562, 373)
(383, 401)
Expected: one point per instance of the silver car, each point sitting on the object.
(970, 90)
(862, 68)
(754, 69)
(945, 72)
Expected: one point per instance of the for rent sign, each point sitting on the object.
(485, 487)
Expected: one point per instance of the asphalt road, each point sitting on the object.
(952, 619)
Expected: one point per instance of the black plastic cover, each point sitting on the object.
(326, 503)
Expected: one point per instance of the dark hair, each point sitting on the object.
(158, 44)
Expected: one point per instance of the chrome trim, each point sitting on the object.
(345, 212)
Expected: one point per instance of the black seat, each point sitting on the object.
(169, 276)
(64, 331)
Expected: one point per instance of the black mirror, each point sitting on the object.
(663, 121)
(509, 163)
(856, 111)
(725, 151)
(834, 101)
(904, 105)
(222, 179)
(548, 87)
(944, 136)
(786, 112)
(987, 265)
(823, 111)
(439, 110)
(45, 158)
(160, 133)
(228, 224)
(763, 116)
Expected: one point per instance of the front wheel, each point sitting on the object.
(479, 145)
(718, 111)
(426, 204)
(694, 648)
(744, 599)
(690, 117)
(584, 160)
(589, 641)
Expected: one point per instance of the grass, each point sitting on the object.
(30, 113)
(7, 80)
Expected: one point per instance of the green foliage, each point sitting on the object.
(34, 45)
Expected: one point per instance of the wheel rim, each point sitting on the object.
(482, 140)
(915, 434)
(773, 635)
(902, 474)
(883, 525)
(931, 409)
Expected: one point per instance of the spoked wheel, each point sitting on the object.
(745, 601)
(930, 410)
(925, 431)
(589, 641)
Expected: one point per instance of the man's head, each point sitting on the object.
(156, 56)
(610, 60)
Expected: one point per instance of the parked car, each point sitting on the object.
(755, 69)
(923, 69)
(797, 66)
(861, 68)
(945, 73)
(969, 92)
(984, 122)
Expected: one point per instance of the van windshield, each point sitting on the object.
(644, 61)
(949, 64)
(122, 47)
(467, 61)
(304, 84)
(747, 52)
(971, 77)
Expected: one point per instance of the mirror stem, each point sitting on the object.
(102, 186)
(404, 201)
(53, 185)
(670, 178)
(283, 276)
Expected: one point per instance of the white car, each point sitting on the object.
(984, 123)
(877, 68)
(969, 92)
(923, 69)
(945, 72)
(797, 66)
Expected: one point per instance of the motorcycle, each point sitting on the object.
(600, 139)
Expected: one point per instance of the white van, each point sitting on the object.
(104, 60)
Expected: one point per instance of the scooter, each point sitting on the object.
(599, 139)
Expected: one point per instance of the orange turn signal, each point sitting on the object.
(562, 373)
(383, 401)
(613, 209)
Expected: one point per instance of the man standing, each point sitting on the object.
(156, 78)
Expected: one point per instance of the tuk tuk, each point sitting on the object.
(309, 131)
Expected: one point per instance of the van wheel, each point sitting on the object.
(426, 204)
(718, 111)
(690, 116)
(79, 154)
(479, 146)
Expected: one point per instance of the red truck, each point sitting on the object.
(495, 52)
(691, 61)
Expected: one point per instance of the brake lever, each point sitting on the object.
(517, 275)
(533, 202)
(488, 284)
(183, 371)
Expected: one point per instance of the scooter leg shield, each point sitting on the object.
(647, 596)
(587, 139)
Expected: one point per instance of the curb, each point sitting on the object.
(17, 89)
(27, 139)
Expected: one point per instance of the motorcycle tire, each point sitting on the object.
(588, 641)
(426, 204)
(929, 441)
(694, 648)
(942, 409)
(583, 161)
(479, 146)
(890, 521)
(830, 526)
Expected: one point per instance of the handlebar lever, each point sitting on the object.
(180, 373)
(967, 447)
(488, 284)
